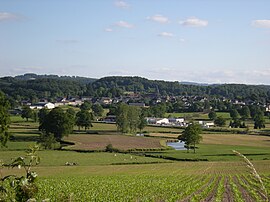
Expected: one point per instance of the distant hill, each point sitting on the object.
(33, 86)
(32, 76)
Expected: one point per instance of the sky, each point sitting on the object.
(207, 41)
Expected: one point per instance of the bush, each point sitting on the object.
(110, 148)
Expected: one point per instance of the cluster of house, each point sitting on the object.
(166, 121)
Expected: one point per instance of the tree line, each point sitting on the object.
(52, 87)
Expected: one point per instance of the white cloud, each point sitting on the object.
(159, 18)
(194, 22)
(108, 30)
(166, 34)
(124, 24)
(122, 4)
(261, 23)
(4, 16)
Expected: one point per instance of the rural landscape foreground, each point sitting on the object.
(107, 140)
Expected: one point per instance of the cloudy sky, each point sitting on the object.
(213, 41)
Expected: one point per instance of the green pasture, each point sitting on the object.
(217, 153)
(197, 115)
(59, 158)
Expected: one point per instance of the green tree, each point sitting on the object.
(27, 113)
(84, 119)
(86, 106)
(259, 121)
(234, 114)
(158, 110)
(220, 121)
(142, 122)
(133, 118)
(42, 113)
(191, 136)
(127, 118)
(58, 123)
(245, 113)
(4, 119)
(212, 115)
(47, 140)
(97, 109)
(35, 116)
(122, 118)
(71, 113)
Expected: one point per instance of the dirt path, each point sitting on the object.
(228, 194)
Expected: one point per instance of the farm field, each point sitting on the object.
(213, 173)
(183, 181)
(121, 142)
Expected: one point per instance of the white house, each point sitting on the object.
(157, 121)
(162, 121)
(41, 105)
(176, 120)
(207, 124)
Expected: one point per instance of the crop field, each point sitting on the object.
(183, 181)
(213, 173)
(154, 188)
(122, 142)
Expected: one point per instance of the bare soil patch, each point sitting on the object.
(122, 142)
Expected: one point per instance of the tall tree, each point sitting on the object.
(220, 121)
(191, 136)
(142, 122)
(97, 109)
(84, 119)
(259, 121)
(27, 113)
(58, 123)
(234, 114)
(133, 118)
(127, 118)
(86, 106)
(245, 113)
(4, 119)
(122, 118)
(212, 115)
(42, 113)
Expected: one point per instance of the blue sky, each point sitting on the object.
(212, 41)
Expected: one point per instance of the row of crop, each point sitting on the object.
(121, 188)
(150, 188)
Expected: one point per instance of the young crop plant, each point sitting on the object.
(220, 189)
(255, 174)
(209, 188)
(236, 193)
(253, 192)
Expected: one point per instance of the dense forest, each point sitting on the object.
(33, 87)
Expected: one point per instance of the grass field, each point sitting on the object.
(144, 176)
(197, 115)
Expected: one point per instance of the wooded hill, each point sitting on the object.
(31, 86)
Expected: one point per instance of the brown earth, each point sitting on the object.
(122, 142)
